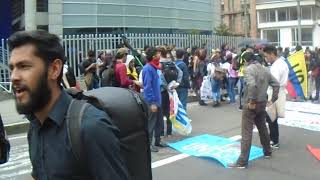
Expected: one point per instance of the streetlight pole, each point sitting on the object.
(299, 23)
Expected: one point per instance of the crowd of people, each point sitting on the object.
(187, 68)
(39, 69)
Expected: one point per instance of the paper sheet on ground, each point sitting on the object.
(222, 149)
(302, 115)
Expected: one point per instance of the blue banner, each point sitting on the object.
(223, 150)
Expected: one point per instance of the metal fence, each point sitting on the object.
(77, 46)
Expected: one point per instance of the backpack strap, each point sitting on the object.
(179, 62)
(74, 120)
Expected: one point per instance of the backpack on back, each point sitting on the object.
(108, 78)
(4, 144)
(128, 112)
(169, 71)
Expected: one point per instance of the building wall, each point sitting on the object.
(164, 14)
(236, 9)
(282, 17)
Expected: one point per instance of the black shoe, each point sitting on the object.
(202, 103)
(238, 166)
(161, 144)
(154, 149)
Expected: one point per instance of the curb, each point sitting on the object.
(23, 127)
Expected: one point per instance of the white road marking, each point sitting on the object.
(181, 156)
(17, 137)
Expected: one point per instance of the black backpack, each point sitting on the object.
(128, 112)
(81, 68)
(71, 77)
(170, 72)
(4, 144)
(108, 78)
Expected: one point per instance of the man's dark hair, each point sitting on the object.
(91, 54)
(270, 50)
(180, 53)
(298, 48)
(150, 52)
(248, 56)
(47, 46)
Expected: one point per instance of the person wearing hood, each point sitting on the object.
(121, 70)
(132, 71)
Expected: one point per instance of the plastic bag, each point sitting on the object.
(181, 124)
(206, 89)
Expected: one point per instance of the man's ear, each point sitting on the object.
(55, 69)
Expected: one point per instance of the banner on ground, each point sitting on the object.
(297, 84)
(223, 150)
(302, 115)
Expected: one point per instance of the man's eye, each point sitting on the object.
(25, 66)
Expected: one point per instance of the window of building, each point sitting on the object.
(267, 16)
(231, 5)
(306, 36)
(282, 14)
(306, 12)
(42, 5)
(272, 36)
(293, 15)
(263, 16)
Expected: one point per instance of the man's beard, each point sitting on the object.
(39, 97)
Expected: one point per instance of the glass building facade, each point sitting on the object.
(140, 16)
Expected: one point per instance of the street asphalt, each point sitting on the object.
(291, 162)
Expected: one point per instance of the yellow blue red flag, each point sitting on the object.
(297, 84)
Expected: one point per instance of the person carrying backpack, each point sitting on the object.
(170, 72)
(184, 86)
(36, 62)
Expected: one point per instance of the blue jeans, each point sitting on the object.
(230, 89)
(94, 84)
(183, 95)
(216, 85)
(241, 91)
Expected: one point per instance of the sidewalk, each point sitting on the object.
(15, 123)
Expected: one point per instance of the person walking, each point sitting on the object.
(36, 64)
(257, 79)
(279, 69)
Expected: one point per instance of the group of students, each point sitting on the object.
(164, 69)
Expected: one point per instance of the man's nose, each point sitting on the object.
(15, 75)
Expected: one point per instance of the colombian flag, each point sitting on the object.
(297, 85)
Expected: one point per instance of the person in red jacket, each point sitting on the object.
(121, 70)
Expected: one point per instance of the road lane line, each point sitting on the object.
(17, 137)
(181, 156)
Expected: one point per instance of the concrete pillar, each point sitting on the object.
(253, 19)
(316, 36)
(55, 8)
(285, 37)
(30, 9)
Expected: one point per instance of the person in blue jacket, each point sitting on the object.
(152, 95)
